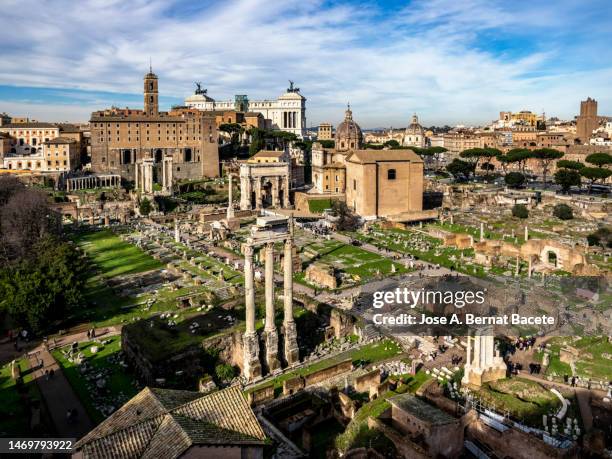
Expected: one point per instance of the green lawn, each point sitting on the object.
(120, 383)
(115, 257)
(14, 416)
(522, 398)
(362, 265)
(591, 363)
(369, 353)
(317, 206)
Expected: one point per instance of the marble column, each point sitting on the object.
(137, 176)
(477, 350)
(526, 233)
(292, 353)
(469, 350)
(245, 193)
(482, 232)
(258, 195)
(286, 192)
(275, 192)
(230, 204)
(250, 343)
(270, 328)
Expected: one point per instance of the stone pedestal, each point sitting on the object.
(292, 352)
(250, 347)
(271, 346)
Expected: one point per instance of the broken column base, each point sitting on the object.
(250, 347)
(272, 361)
(292, 351)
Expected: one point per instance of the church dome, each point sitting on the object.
(415, 128)
(348, 133)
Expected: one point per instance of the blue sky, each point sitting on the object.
(450, 61)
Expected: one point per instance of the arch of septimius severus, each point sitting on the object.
(267, 232)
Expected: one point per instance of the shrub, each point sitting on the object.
(514, 179)
(520, 211)
(563, 212)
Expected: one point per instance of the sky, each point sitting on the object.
(449, 61)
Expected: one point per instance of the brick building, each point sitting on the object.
(122, 137)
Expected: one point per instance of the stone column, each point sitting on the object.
(275, 192)
(292, 353)
(258, 197)
(245, 192)
(270, 328)
(286, 192)
(230, 204)
(250, 343)
(477, 350)
(177, 234)
(526, 233)
(137, 176)
(482, 232)
(469, 350)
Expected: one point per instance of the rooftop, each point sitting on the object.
(422, 410)
(166, 423)
(373, 156)
(30, 125)
(60, 140)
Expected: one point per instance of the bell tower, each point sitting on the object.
(151, 104)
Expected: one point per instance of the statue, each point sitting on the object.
(199, 89)
(291, 88)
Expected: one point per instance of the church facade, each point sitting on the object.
(375, 183)
(123, 138)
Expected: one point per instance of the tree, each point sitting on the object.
(546, 156)
(514, 179)
(225, 372)
(599, 159)
(347, 220)
(568, 164)
(603, 237)
(563, 212)
(520, 211)
(459, 168)
(327, 143)
(567, 178)
(391, 143)
(258, 141)
(593, 174)
(25, 217)
(145, 206)
(44, 286)
(519, 156)
(487, 167)
(503, 161)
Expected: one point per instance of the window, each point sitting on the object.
(354, 184)
(391, 174)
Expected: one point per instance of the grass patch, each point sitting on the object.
(115, 257)
(14, 413)
(119, 387)
(317, 206)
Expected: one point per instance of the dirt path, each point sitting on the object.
(57, 391)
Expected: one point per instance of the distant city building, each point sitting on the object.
(38, 147)
(286, 113)
(587, 121)
(325, 132)
(415, 134)
(348, 133)
(121, 138)
(524, 117)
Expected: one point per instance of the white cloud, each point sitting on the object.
(423, 58)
